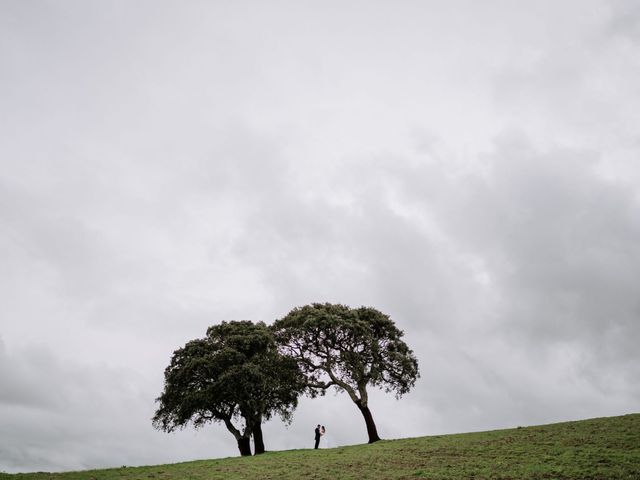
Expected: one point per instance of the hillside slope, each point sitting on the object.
(597, 449)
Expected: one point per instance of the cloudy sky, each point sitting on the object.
(469, 168)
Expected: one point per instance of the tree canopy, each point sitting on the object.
(349, 349)
(235, 375)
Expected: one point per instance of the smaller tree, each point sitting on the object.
(349, 349)
(235, 375)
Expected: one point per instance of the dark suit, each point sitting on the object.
(317, 437)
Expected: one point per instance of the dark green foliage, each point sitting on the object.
(234, 374)
(349, 349)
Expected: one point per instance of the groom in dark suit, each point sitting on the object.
(317, 436)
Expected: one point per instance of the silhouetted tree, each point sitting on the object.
(349, 349)
(235, 375)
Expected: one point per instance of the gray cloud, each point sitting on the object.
(470, 171)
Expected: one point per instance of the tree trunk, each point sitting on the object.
(258, 441)
(244, 445)
(372, 431)
(244, 440)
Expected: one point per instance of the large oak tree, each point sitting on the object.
(235, 375)
(350, 349)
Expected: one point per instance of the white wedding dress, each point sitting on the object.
(325, 441)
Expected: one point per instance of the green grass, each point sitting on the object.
(598, 449)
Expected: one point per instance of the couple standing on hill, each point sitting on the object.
(320, 432)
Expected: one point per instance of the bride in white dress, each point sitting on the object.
(324, 438)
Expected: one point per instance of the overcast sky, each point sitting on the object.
(470, 168)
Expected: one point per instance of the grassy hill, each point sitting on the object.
(598, 449)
